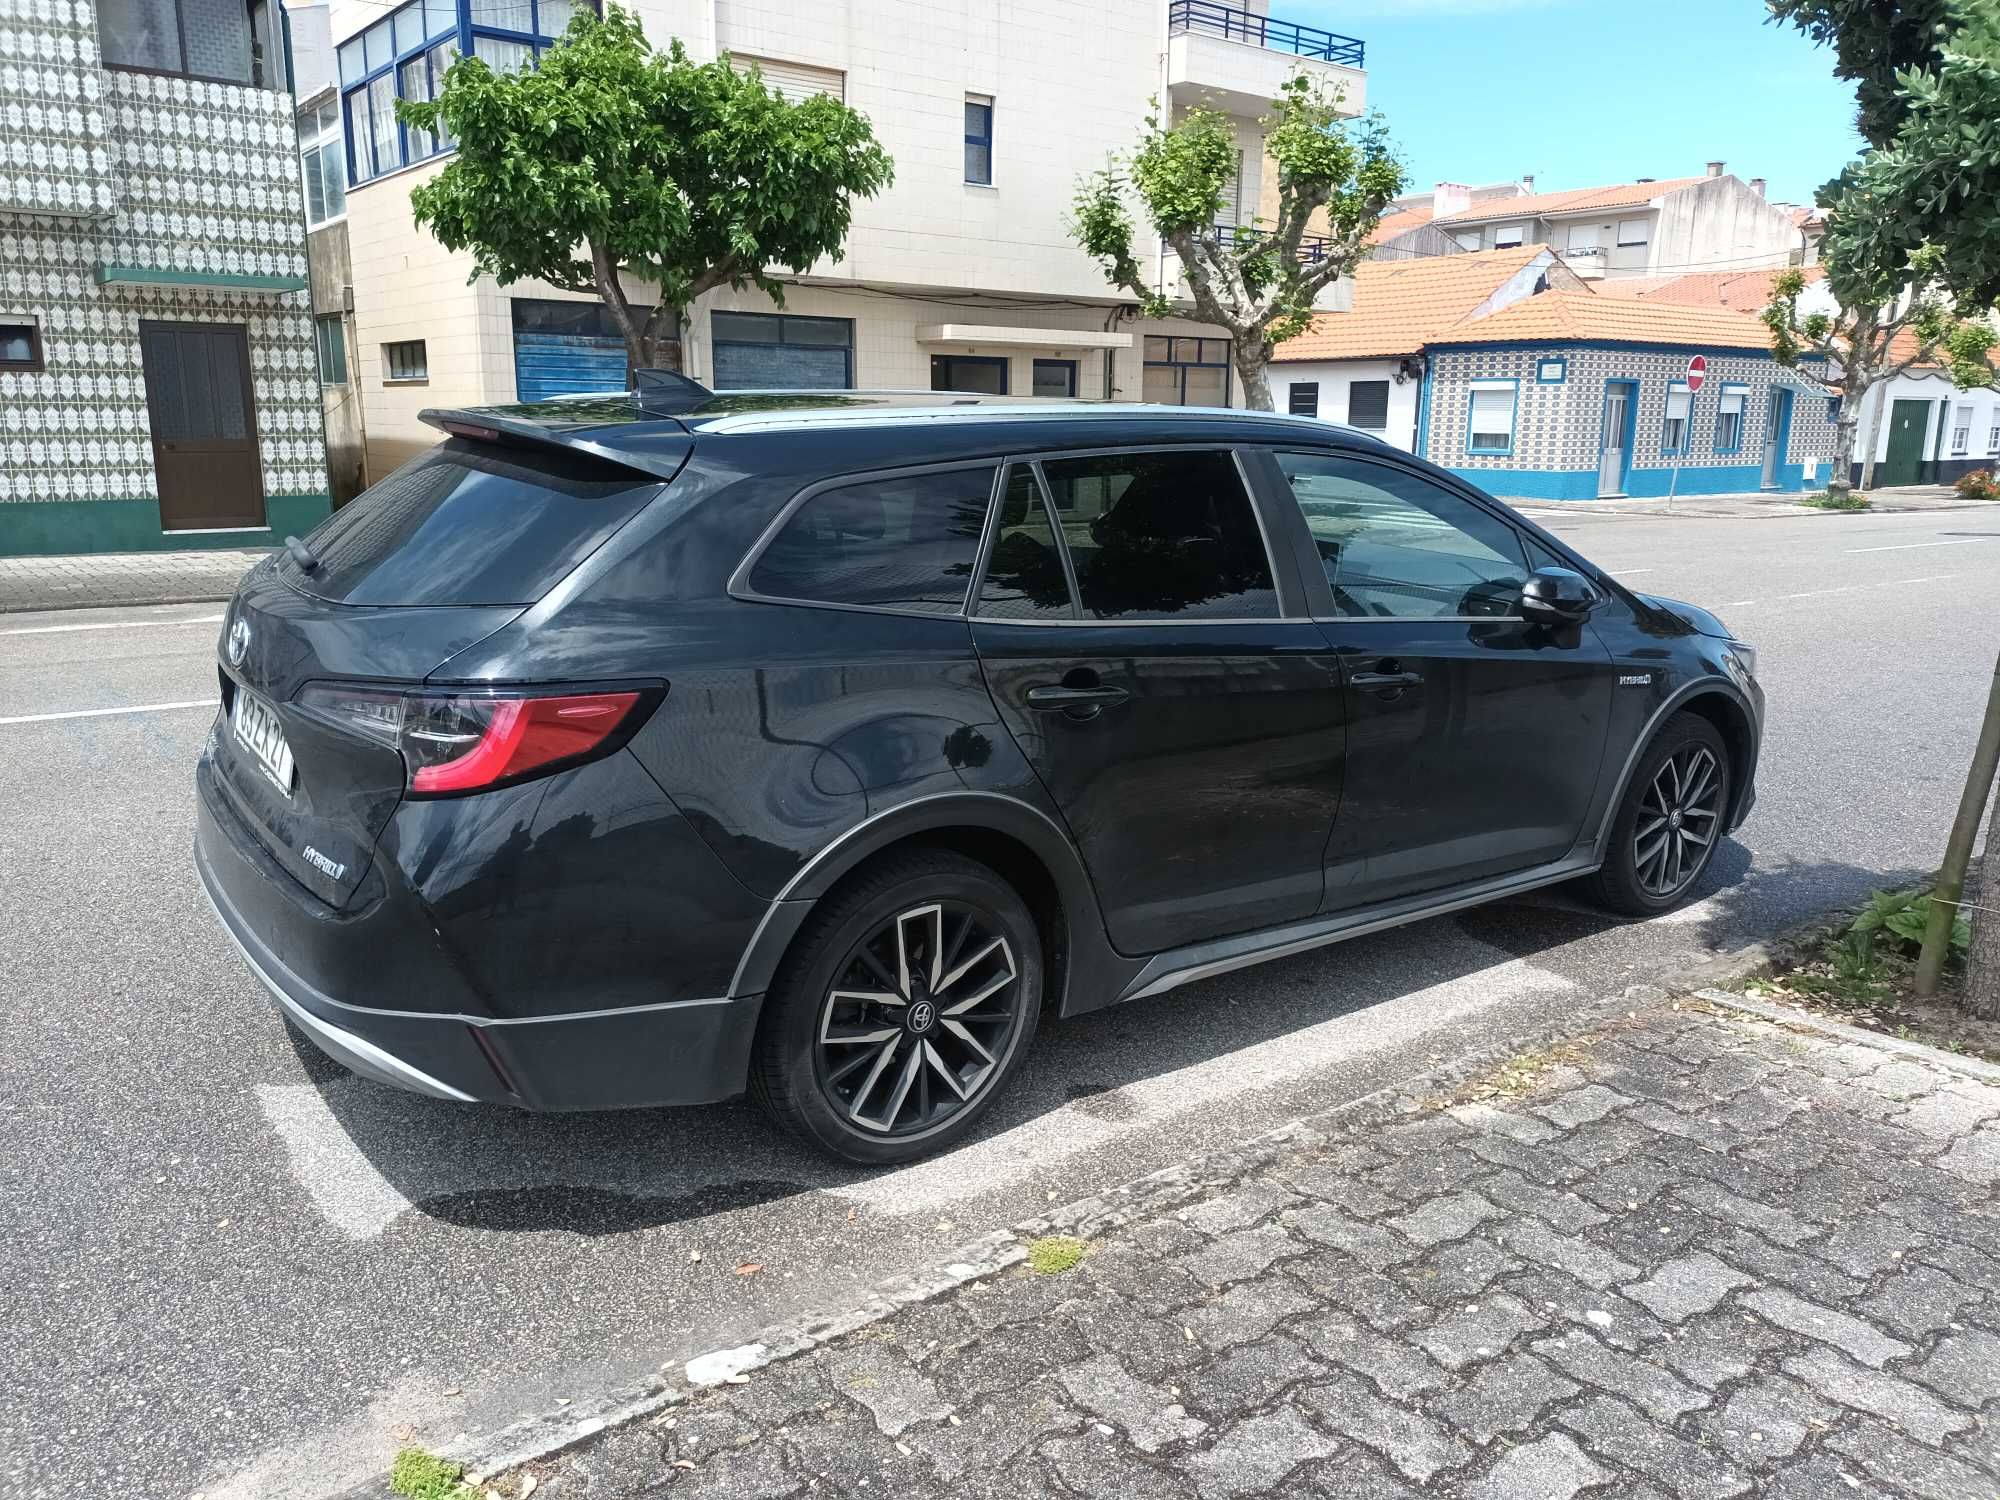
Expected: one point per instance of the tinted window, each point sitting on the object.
(892, 543)
(1024, 575)
(1393, 543)
(471, 523)
(1162, 536)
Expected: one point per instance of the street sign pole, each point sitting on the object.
(1697, 372)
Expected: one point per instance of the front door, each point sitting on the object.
(1908, 422)
(1777, 423)
(1614, 443)
(1474, 736)
(204, 421)
(1190, 734)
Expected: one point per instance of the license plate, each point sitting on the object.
(258, 732)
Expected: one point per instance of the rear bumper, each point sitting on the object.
(680, 1052)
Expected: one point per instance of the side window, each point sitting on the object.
(1024, 575)
(903, 543)
(1162, 536)
(1395, 545)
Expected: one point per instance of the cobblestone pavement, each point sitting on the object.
(113, 578)
(1703, 1257)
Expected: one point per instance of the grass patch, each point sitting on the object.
(1522, 1074)
(418, 1475)
(1828, 500)
(1053, 1254)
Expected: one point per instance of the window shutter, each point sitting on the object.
(794, 82)
(1303, 399)
(1232, 195)
(1368, 404)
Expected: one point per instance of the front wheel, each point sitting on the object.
(902, 1011)
(1670, 821)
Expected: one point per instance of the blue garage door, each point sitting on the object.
(567, 348)
(768, 351)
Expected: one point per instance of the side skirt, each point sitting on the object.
(1203, 960)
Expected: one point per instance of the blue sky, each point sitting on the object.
(1581, 93)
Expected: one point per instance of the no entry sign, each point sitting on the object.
(1697, 372)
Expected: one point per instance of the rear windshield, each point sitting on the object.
(471, 523)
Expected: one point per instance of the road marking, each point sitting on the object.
(109, 625)
(1629, 572)
(1911, 546)
(1852, 588)
(98, 713)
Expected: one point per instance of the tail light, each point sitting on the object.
(457, 742)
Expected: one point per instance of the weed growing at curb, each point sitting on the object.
(424, 1476)
(1827, 500)
(1053, 1254)
(1522, 1074)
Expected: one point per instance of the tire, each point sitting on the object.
(846, 1055)
(1679, 793)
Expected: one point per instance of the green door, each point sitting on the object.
(1907, 423)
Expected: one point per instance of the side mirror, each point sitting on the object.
(1557, 596)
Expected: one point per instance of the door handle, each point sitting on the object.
(1387, 684)
(1056, 699)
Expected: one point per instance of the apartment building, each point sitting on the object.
(157, 382)
(962, 276)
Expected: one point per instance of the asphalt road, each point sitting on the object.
(236, 1272)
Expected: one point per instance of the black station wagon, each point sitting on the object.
(641, 750)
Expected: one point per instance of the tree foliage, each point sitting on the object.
(1873, 42)
(610, 157)
(1253, 281)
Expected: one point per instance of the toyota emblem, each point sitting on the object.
(239, 642)
(922, 1014)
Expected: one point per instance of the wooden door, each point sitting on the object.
(204, 420)
(1908, 422)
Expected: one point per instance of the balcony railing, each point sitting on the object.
(1312, 247)
(1236, 25)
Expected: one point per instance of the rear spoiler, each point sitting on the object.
(656, 448)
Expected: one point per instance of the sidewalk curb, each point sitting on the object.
(1786, 1015)
(9, 607)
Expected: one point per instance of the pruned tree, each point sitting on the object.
(612, 160)
(1859, 339)
(1255, 283)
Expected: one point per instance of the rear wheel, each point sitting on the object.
(1670, 822)
(902, 1010)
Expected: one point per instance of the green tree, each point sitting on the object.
(612, 160)
(1252, 282)
(1873, 41)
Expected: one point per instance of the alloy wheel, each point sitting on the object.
(919, 1019)
(1678, 820)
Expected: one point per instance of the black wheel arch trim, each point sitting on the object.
(1089, 972)
(1742, 776)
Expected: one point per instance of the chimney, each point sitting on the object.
(1528, 185)
(1757, 186)
(1715, 169)
(1450, 198)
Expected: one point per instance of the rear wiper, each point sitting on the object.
(304, 556)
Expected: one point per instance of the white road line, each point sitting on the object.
(1629, 572)
(98, 713)
(1852, 588)
(109, 625)
(1911, 546)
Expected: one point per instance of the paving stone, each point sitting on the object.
(760, 1473)
(1974, 1157)
(1594, 1147)
(1449, 1217)
(1550, 1167)
(1245, 1312)
(1911, 1468)
(1357, 1475)
(1917, 1301)
(1608, 1316)
(778, 1393)
(1413, 1179)
(704, 1429)
(1457, 1272)
(1687, 1285)
(1898, 1079)
(1964, 1367)
(1250, 1204)
(1768, 1419)
(1806, 1274)
(1479, 1330)
(1613, 1430)
(845, 1453)
(1581, 1106)
(881, 1379)
(1505, 1395)
(1653, 1232)
(1627, 1183)
(1369, 1243)
(1103, 1388)
(1550, 1468)
(1864, 1246)
(1559, 1208)
(1149, 1345)
(1341, 1187)
(1757, 1110)
(1772, 1223)
(1239, 1256)
(1688, 1124)
(1249, 1376)
(1659, 1394)
(1418, 1446)
(990, 1432)
(1092, 1464)
(1861, 1340)
(1821, 1477)
(1947, 1113)
(1399, 1369)
(1340, 1281)
(1915, 1410)
(1256, 1454)
(1154, 1284)
(1572, 1256)
(1723, 1346)
(1525, 1129)
(994, 1361)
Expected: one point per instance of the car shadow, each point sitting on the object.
(487, 1168)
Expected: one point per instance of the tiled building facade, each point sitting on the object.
(158, 385)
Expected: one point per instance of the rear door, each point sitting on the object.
(199, 404)
(1475, 737)
(1157, 669)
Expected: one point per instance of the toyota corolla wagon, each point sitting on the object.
(644, 750)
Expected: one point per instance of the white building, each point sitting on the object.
(963, 275)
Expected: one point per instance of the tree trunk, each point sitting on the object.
(1840, 482)
(1253, 368)
(1874, 441)
(1982, 964)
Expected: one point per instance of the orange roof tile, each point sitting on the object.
(1576, 200)
(1743, 291)
(1565, 317)
(1400, 305)
(1397, 223)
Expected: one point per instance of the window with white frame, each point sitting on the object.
(1729, 419)
(1633, 233)
(322, 163)
(1468, 239)
(1490, 419)
(1674, 425)
(1993, 433)
(1961, 430)
(1506, 236)
(1581, 239)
